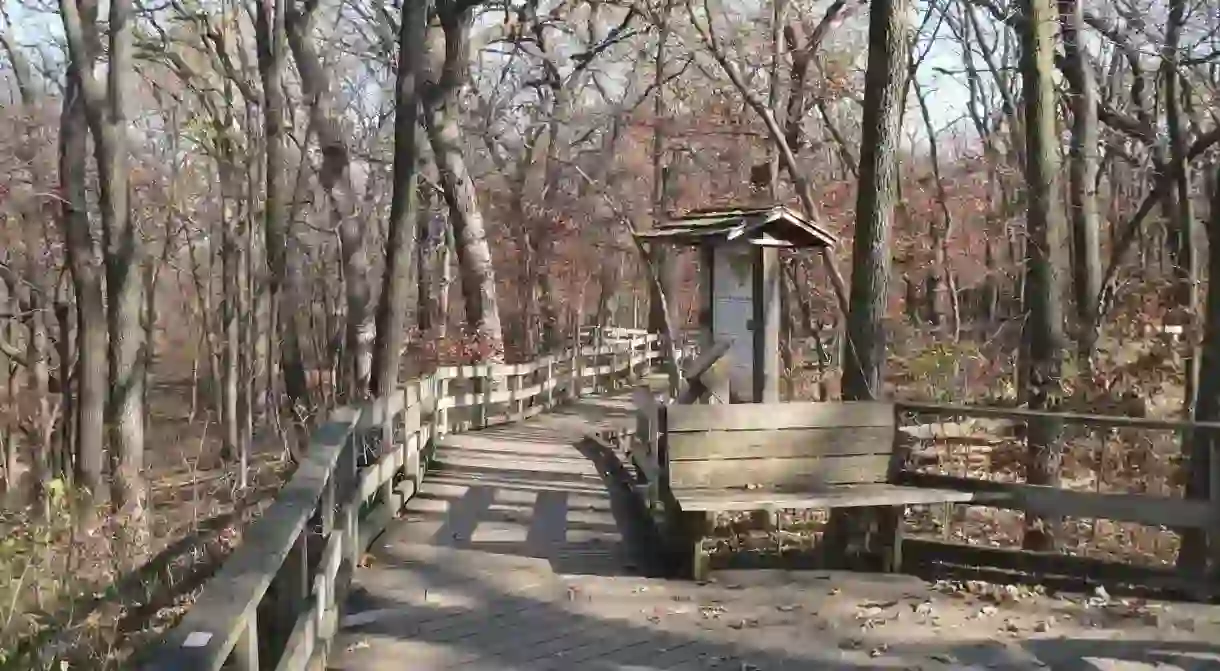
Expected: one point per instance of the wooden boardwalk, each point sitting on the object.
(523, 552)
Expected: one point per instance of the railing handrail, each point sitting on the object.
(1025, 414)
(327, 491)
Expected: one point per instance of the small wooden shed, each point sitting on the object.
(739, 283)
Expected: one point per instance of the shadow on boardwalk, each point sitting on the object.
(525, 550)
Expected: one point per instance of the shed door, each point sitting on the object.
(732, 310)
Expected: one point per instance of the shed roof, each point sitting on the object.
(775, 225)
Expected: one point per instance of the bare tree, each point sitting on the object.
(284, 294)
(105, 111)
(1082, 177)
(441, 102)
(885, 87)
(400, 251)
(1043, 332)
(335, 178)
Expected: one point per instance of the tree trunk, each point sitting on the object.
(9, 427)
(885, 83)
(662, 260)
(940, 275)
(1043, 330)
(399, 251)
(885, 86)
(229, 261)
(1082, 179)
(85, 268)
(1192, 556)
(68, 384)
(283, 290)
(442, 109)
(335, 178)
(1207, 407)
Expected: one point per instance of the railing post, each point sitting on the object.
(349, 468)
(482, 390)
(577, 375)
(514, 384)
(245, 655)
(548, 387)
(412, 426)
(386, 449)
(1213, 532)
(598, 343)
(441, 390)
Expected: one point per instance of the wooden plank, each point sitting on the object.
(1022, 414)
(769, 443)
(1055, 502)
(845, 496)
(779, 473)
(754, 416)
(766, 282)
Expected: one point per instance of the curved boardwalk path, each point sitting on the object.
(523, 552)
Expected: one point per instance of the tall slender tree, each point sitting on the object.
(400, 245)
(1043, 331)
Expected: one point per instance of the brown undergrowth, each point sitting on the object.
(66, 600)
(1134, 375)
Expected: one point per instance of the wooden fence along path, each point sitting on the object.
(519, 527)
(276, 602)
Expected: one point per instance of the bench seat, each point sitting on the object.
(719, 499)
(694, 461)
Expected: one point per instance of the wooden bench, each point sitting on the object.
(698, 460)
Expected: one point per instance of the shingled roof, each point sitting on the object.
(775, 225)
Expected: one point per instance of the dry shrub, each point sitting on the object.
(68, 602)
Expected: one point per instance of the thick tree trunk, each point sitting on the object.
(335, 178)
(1207, 408)
(885, 84)
(399, 251)
(442, 110)
(1193, 554)
(105, 110)
(1043, 331)
(876, 199)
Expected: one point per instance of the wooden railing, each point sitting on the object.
(943, 424)
(275, 603)
(1148, 509)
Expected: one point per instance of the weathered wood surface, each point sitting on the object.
(810, 472)
(780, 443)
(770, 416)
(1057, 502)
(848, 496)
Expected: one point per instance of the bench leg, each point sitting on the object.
(835, 538)
(689, 530)
(889, 528)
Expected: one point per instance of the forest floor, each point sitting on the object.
(72, 600)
